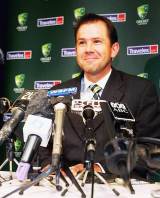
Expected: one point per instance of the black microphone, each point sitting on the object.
(36, 132)
(115, 153)
(123, 118)
(18, 113)
(30, 149)
(116, 150)
(88, 114)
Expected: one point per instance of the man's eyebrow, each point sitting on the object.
(90, 38)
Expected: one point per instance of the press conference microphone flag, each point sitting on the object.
(18, 112)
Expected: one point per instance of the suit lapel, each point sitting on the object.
(75, 120)
(113, 91)
(115, 87)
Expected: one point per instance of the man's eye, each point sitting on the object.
(97, 41)
(81, 42)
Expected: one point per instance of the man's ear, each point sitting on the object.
(115, 49)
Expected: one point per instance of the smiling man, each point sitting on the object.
(96, 46)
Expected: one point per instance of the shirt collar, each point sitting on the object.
(102, 82)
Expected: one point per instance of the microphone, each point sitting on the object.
(41, 101)
(88, 114)
(115, 153)
(18, 112)
(40, 104)
(60, 110)
(4, 105)
(36, 131)
(30, 149)
(116, 150)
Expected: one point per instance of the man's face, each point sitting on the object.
(94, 49)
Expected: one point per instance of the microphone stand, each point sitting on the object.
(10, 157)
(90, 147)
(25, 186)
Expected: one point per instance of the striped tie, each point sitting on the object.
(95, 89)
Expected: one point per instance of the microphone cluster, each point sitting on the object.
(44, 114)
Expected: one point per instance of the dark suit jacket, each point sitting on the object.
(140, 96)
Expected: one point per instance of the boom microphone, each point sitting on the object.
(18, 112)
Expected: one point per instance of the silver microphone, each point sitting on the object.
(60, 110)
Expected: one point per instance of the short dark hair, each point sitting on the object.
(91, 17)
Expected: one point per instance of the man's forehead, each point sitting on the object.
(95, 30)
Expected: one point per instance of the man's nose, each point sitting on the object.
(89, 47)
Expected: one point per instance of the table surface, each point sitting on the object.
(47, 190)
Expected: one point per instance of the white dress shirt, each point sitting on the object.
(86, 93)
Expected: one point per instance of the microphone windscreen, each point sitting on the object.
(40, 105)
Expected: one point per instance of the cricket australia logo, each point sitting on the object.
(22, 21)
(46, 51)
(142, 12)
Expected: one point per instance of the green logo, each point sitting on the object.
(79, 12)
(22, 18)
(46, 49)
(19, 80)
(143, 75)
(76, 75)
(18, 145)
(142, 11)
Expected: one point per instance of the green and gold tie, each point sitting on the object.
(95, 89)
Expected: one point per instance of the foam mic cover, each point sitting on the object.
(40, 104)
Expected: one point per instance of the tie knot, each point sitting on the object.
(95, 89)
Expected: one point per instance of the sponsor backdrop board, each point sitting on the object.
(40, 49)
(40, 42)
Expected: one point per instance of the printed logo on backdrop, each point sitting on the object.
(142, 12)
(52, 21)
(143, 75)
(115, 17)
(46, 84)
(19, 81)
(22, 21)
(46, 52)
(12, 55)
(142, 50)
(78, 13)
(76, 75)
(68, 52)
(18, 147)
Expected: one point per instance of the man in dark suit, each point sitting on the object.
(96, 46)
